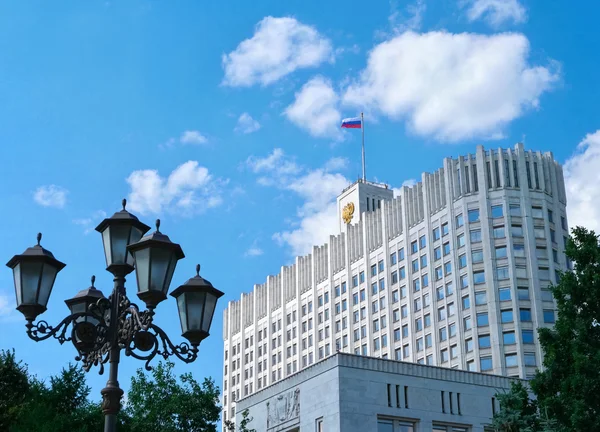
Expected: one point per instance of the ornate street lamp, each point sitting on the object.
(99, 327)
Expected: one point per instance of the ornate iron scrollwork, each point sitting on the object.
(91, 333)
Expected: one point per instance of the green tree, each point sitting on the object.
(568, 389)
(243, 427)
(161, 403)
(61, 405)
(517, 412)
(14, 388)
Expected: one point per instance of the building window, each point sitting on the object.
(515, 210)
(381, 266)
(422, 242)
(502, 273)
(452, 329)
(462, 261)
(516, 230)
(549, 316)
(525, 314)
(475, 236)
(480, 298)
(437, 253)
(423, 261)
(530, 359)
(479, 277)
(448, 268)
(361, 277)
(508, 338)
(501, 252)
(527, 336)
(523, 293)
(499, 232)
(504, 294)
(459, 221)
(485, 364)
(482, 319)
(436, 234)
(466, 302)
(414, 247)
(384, 425)
(460, 240)
(511, 360)
(468, 345)
(477, 256)
(439, 274)
(506, 316)
(497, 211)
(484, 341)
(473, 215)
(467, 323)
(446, 247)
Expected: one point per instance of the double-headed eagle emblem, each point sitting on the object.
(348, 212)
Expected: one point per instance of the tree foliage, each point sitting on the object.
(567, 391)
(161, 403)
(518, 413)
(14, 388)
(155, 402)
(243, 426)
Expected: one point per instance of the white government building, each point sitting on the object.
(452, 273)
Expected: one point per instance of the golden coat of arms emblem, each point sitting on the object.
(348, 212)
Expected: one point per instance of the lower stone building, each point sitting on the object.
(352, 393)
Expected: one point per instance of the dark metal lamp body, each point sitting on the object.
(99, 327)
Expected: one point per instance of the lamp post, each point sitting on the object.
(101, 328)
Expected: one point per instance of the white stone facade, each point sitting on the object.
(352, 393)
(453, 272)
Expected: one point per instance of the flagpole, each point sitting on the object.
(362, 126)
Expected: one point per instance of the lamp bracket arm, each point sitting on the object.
(147, 344)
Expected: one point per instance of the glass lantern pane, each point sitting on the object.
(170, 272)
(182, 312)
(119, 236)
(209, 310)
(195, 308)
(48, 277)
(142, 268)
(78, 308)
(30, 277)
(17, 276)
(160, 264)
(134, 237)
(106, 243)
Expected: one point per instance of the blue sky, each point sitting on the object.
(222, 119)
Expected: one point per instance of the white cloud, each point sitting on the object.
(316, 217)
(89, 223)
(192, 137)
(315, 109)
(496, 12)
(276, 168)
(582, 176)
(451, 86)
(6, 306)
(246, 124)
(253, 251)
(409, 183)
(51, 196)
(188, 189)
(278, 47)
(8, 312)
(410, 19)
(336, 164)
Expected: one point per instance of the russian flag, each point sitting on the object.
(352, 123)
